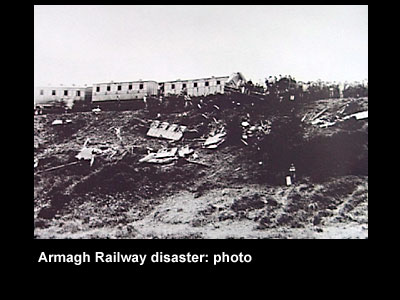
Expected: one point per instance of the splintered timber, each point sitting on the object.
(117, 257)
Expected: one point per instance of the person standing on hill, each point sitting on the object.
(145, 101)
(292, 172)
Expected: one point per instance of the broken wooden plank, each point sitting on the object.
(304, 117)
(318, 114)
(58, 167)
(198, 163)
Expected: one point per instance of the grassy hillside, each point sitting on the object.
(237, 191)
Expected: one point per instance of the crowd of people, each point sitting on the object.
(287, 88)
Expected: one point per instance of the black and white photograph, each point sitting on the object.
(200, 122)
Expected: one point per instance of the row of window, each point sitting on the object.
(119, 87)
(194, 84)
(53, 93)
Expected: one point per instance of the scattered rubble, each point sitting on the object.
(185, 151)
(165, 130)
(214, 141)
(359, 116)
(35, 162)
(162, 156)
(255, 131)
(328, 117)
(149, 171)
(61, 122)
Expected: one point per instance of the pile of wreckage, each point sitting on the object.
(105, 150)
(174, 133)
(254, 131)
(88, 152)
(165, 130)
(167, 156)
(61, 122)
(209, 135)
(324, 119)
(237, 83)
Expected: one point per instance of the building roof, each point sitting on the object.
(187, 80)
(62, 87)
(119, 82)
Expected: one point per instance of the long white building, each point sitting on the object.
(195, 87)
(121, 91)
(51, 95)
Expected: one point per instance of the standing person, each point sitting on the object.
(118, 101)
(188, 100)
(145, 101)
(292, 172)
(118, 134)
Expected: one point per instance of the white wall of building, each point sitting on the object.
(196, 87)
(123, 90)
(48, 95)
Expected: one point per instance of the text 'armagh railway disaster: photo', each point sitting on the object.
(200, 122)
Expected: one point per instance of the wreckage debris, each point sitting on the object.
(184, 151)
(58, 167)
(165, 130)
(117, 132)
(324, 119)
(88, 154)
(61, 122)
(162, 156)
(35, 163)
(198, 163)
(165, 156)
(213, 142)
(359, 116)
(257, 130)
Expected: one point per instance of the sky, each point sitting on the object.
(94, 44)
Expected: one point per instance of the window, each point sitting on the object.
(41, 92)
(66, 93)
(78, 93)
(184, 85)
(130, 86)
(207, 83)
(97, 89)
(218, 82)
(172, 86)
(53, 92)
(195, 84)
(119, 88)
(108, 88)
(141, 86)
